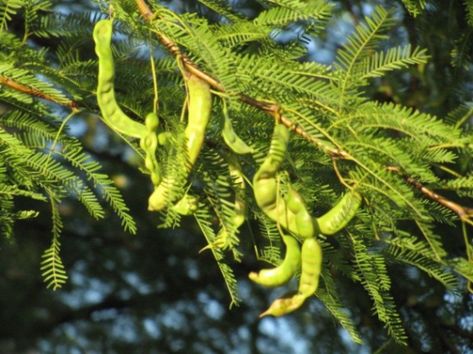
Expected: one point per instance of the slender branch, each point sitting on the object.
(464, 213)
(6, 81)
(274, 110)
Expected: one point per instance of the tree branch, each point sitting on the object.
(464, 213)
(274, 110)
(6, 81)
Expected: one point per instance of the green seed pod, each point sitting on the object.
(301, 218)
(233, 141)
(187, 205)
(164, 138)
(340, 215)
(152, 122)
(285, 271)
(199, 109)
(111, 112)
(291, 212)
(283, 306)
(149, 144)
(311, 266)
(224, 239)
(200, 106)
(240, 203)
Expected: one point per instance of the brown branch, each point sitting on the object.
(464, 213)
(270, 108)
(6, 81)
(274, 109)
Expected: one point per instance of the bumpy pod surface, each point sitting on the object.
(285, 271)
(340, 215)
(291, 212)
(111, 112)
(149, 144)
(199, 109)
(311, 266)
(233, 141)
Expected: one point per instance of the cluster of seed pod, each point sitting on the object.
(199, 107)
(289, 212)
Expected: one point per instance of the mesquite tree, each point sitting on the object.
(196, 96)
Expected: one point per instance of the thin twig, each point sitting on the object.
(464, 213)
(274, 110)
(6, 81)
(270, 108)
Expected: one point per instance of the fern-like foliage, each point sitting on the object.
(9, 8)
(39, 159)
(414, 7)
(396, 157)
(469, 11)
(52, 269)
(327, 102)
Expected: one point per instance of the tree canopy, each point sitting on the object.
(227, 135)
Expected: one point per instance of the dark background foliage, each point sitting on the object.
(155, 293)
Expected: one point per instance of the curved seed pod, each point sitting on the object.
(199, 108)
(283, 273)
(283, 306)
(291, 212)
(276, 154)
(233, 141)
(187, 205)
(149, 143)
(301, 219)
(111, 112)
(340, 215)
(311, 265)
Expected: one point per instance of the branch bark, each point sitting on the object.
(12, 84)
(272, 109)
(464, 213)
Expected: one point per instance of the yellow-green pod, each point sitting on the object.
(111, 112)
(149, 143)
(187, 205)
(233, 141)
(164, 138)
(200, 106)
(283, 306)
(311, 267)
(340, 215)
(240, 201)
(285, 271)
(303, 224)
(199, 109)
(223, 239)
(291, 212)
